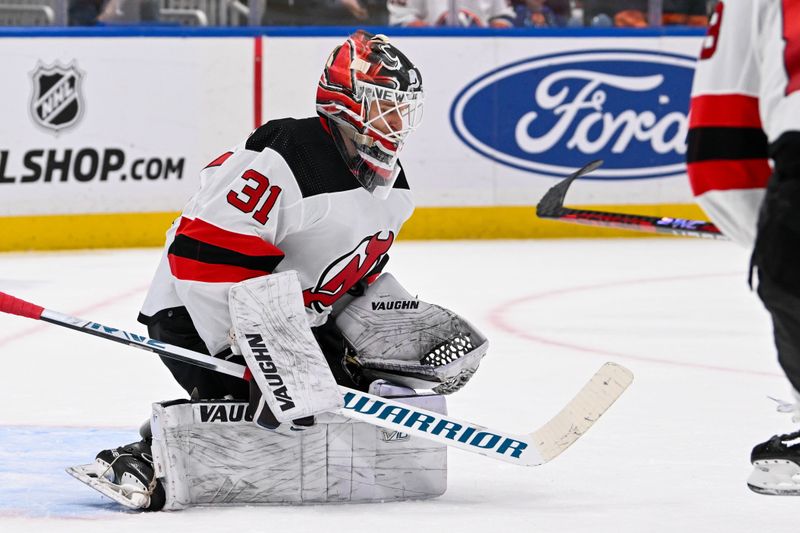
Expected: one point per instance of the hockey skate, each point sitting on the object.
(776, 465)
(126, 475)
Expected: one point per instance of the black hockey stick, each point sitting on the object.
(552, 206)
(526, 449)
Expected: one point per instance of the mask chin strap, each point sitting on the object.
(360, 138)
(349, 132)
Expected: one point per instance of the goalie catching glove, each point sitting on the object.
(287, 365)
(404, 340)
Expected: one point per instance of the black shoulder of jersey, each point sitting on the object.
(400, 182)
(310, 153)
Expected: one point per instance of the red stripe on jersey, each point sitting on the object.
(191, 270)
(720, 110)
(210, 234)
(791, 36)
(714, 175)
(221, 159)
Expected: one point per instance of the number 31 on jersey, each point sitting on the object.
(248, 199)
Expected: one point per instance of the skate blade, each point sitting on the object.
(87, 474)
(775, 477)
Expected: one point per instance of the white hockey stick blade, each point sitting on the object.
(532, 449)
(582, 411)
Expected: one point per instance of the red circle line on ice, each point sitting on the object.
(498, 314)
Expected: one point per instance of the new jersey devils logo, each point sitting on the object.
(347, 270)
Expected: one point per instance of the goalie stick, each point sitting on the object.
(552, 206)
(532, 449)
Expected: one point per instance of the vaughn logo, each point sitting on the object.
(395, 304)
(222, 412)
(626, 107)
(269, 370)
(56, 103)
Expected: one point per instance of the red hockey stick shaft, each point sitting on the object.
(15, 306)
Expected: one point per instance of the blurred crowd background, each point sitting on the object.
(418, 13)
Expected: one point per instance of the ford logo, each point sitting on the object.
(551, 114)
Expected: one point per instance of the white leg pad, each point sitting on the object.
(207, 453)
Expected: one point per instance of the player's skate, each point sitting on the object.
(776, 465)
(125, 475)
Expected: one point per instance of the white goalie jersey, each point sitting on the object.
(745, 108)
(282, 200)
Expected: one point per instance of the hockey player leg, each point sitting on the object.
(776, 462)
(175, 326)
(210, 453)
(125, 474)
(777, 257)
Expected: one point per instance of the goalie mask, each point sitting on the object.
(370, 95)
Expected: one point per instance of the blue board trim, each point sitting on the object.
(341, 31)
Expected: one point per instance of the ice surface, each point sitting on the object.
(670, 456)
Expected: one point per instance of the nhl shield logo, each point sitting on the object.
(56, 103)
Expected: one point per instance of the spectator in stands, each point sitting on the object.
(627, 13)
(93, 12)
(84, 12)
(633, 13)
(494, 13)
(541, 13)
(685, 12)
(325, 12)
(129, 12)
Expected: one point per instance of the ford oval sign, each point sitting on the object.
(551, 114)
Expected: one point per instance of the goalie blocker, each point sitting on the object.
(291, 378)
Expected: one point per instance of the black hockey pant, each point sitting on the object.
(777, 256)
(175, 326)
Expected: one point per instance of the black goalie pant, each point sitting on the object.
(174, 326)
(777, 258)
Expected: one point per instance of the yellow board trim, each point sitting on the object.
(71, 232)
(131, 230)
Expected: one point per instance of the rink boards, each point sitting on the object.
(105, 130)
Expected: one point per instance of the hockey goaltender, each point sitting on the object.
(277, 262)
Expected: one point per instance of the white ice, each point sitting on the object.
(671, 456)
